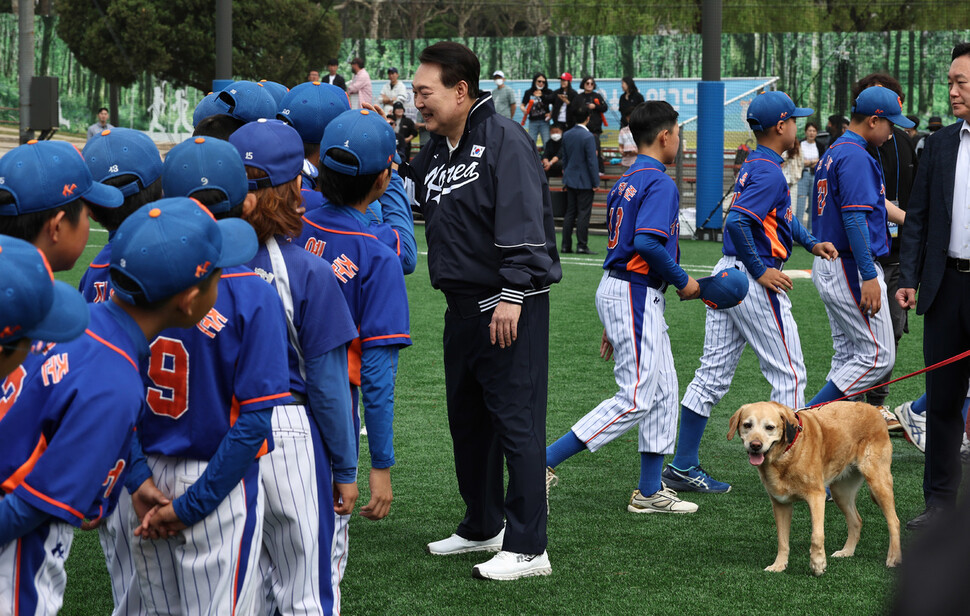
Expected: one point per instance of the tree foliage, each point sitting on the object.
(175, 40)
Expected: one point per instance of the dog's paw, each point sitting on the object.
(894, 560)
(817, 567)
(843, 554)
(776, 567)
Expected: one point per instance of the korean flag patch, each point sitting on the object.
(477, 151)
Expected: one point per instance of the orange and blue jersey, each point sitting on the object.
(67, 419)
(848, 179)
(94, 282)
(761, 194)
(643, 201)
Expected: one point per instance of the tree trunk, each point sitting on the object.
(912, 71)
(626, 42)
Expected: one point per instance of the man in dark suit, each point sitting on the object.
(935, 256)
(580, 176)
(332, 76)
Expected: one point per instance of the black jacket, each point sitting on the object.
(337, 81)
(541, 105)
(595, 115)
(898, 160)
(557, 104)
(925, 237)
(487, 211)
(626, 106)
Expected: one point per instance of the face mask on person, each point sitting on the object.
(555, 136)
(499, 82)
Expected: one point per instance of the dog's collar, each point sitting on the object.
(799, 431)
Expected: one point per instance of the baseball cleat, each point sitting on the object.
(913, 424)
(694, 479)
(512, 566)
(456, 544)
(892, 424)
(662, 501)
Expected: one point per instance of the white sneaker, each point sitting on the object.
(892, 423)
(965, 450)
(552, 480)
(663, 501)
(914, 425)
(512, 566)
(456, 544)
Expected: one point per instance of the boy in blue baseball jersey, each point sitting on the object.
(356, 156)
(850, 210)
(69, 441)
(641, 261)
(46, 192)
(211, 396)
(760, 229)
(35, 307)
(311, 475)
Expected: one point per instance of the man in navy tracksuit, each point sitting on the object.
(492, 251)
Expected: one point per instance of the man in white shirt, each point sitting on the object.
(393, 91)
(935, 256)
(332, 77)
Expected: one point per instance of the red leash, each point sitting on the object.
(918, 372)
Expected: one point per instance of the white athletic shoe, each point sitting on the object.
(456, 544)
(914, 425)
(552, 480)
(663, 501)
(512, 566)
(965, 450)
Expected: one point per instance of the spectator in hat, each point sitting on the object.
(404, 130)
(561, 115)
(332, 77)
(393, 91)
(502, 96)
(101, 124)
(359, 88)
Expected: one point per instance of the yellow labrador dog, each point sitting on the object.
(798, 454)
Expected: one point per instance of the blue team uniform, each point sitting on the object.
(849, 179)
(646, 183)
(759, 195)
(67, 420)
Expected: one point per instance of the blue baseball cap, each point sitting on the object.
(167, 246)
(123, 151)
(363, 134)
(274, 147)
(276, 90)
(248, 101)
(310, 107)
(43, 175)
(769, 108)
(35, 305)
(210, 105)
(204, 163)
(724, 289)
(882, 102)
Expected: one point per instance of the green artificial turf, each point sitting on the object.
(605, 560)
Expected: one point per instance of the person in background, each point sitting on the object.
(935, 124)
(101, 124)
(561, 115)
(502, 96)
(313, 76)
(628, 146)
(537, 106)
(913, 133)
(392, 92)
(596, 103)
(332, 77)
(404, 130)
(359, 89)
(809, 152)
(630, 98)
(792, 168)
(551, 162)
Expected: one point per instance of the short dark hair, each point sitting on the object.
(332, 62)
(877, 79)
(837, 120)
(28, 226)
(111, 217)
(212, 196)
(457, 63)
(649, 118)
(219, 126)
(811, 123)
(341, 189)
(358, 61)
(100, 109)
(580, 113)
(961, 49)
